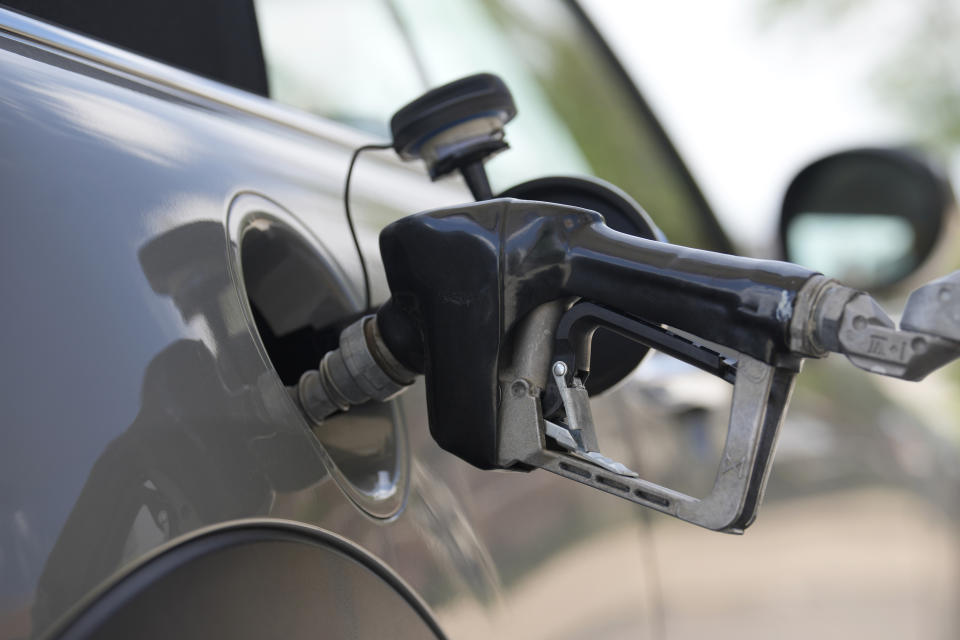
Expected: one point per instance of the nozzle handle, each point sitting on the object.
(462, 278)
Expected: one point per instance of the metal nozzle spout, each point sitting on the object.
(361, 369)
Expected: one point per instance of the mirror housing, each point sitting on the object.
(869, 217)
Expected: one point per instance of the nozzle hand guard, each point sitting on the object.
(760, 397)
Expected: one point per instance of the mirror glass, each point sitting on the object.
(867, 217)
(859, 250)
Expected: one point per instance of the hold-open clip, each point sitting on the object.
(569, 448)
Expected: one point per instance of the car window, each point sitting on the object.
(347, 61)
(575, 113)
(358, 62)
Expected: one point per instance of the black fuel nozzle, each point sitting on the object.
(495, 304)
(462, 279)
(456, 127)
(479, 305)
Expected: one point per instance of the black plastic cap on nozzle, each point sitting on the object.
(456, 125)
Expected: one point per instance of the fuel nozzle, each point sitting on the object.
(496, 304)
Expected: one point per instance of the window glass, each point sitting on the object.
(358, 62)
(574, 113)
(347, 61)
(857, 249)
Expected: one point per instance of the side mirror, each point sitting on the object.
(867, 217)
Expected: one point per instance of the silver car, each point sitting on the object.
(176, 255)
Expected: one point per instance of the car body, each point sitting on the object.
(176, 247)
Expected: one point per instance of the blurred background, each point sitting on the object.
(859, 533)
(752, 90)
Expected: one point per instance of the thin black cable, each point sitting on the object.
(353, 229)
